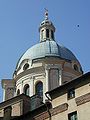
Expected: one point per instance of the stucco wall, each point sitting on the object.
(83, 110)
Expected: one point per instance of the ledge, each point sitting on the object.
(59, 109)
(83, 99)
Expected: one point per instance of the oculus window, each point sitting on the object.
(75, 67)
(26, 66)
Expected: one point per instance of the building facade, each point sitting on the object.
(48, 83)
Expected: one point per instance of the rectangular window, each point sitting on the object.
(72, 116)
(71, 93)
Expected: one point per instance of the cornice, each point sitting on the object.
(29, 71)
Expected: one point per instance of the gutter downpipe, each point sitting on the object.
(48, 108)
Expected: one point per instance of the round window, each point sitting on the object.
(26, 66)
(75, 67)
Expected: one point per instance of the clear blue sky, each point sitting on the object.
(19, 22)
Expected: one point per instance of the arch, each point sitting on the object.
(26, 89)
(18, 92)
(39, 89)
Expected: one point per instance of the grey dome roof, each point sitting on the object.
(47, 49)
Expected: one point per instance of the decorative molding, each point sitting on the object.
(42, 75)
(83, 99)
(30, 72)
(42, 116)
(59, 109)
(52, 112)
(29, 77)
(49, 66)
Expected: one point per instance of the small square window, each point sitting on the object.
(72, 116)
(71, 93)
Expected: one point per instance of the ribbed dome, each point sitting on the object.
(47, 49)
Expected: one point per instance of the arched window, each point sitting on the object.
(52, 34)
(39, 89)
(26, 89)
(18, 92)
(42, 33)
(47, 33)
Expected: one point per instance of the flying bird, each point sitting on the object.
(77, 25)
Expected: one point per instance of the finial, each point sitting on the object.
(46, 14)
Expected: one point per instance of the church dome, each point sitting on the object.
(47, 49)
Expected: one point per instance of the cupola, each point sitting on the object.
(46, 29)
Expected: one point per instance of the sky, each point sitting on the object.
(19, 23)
